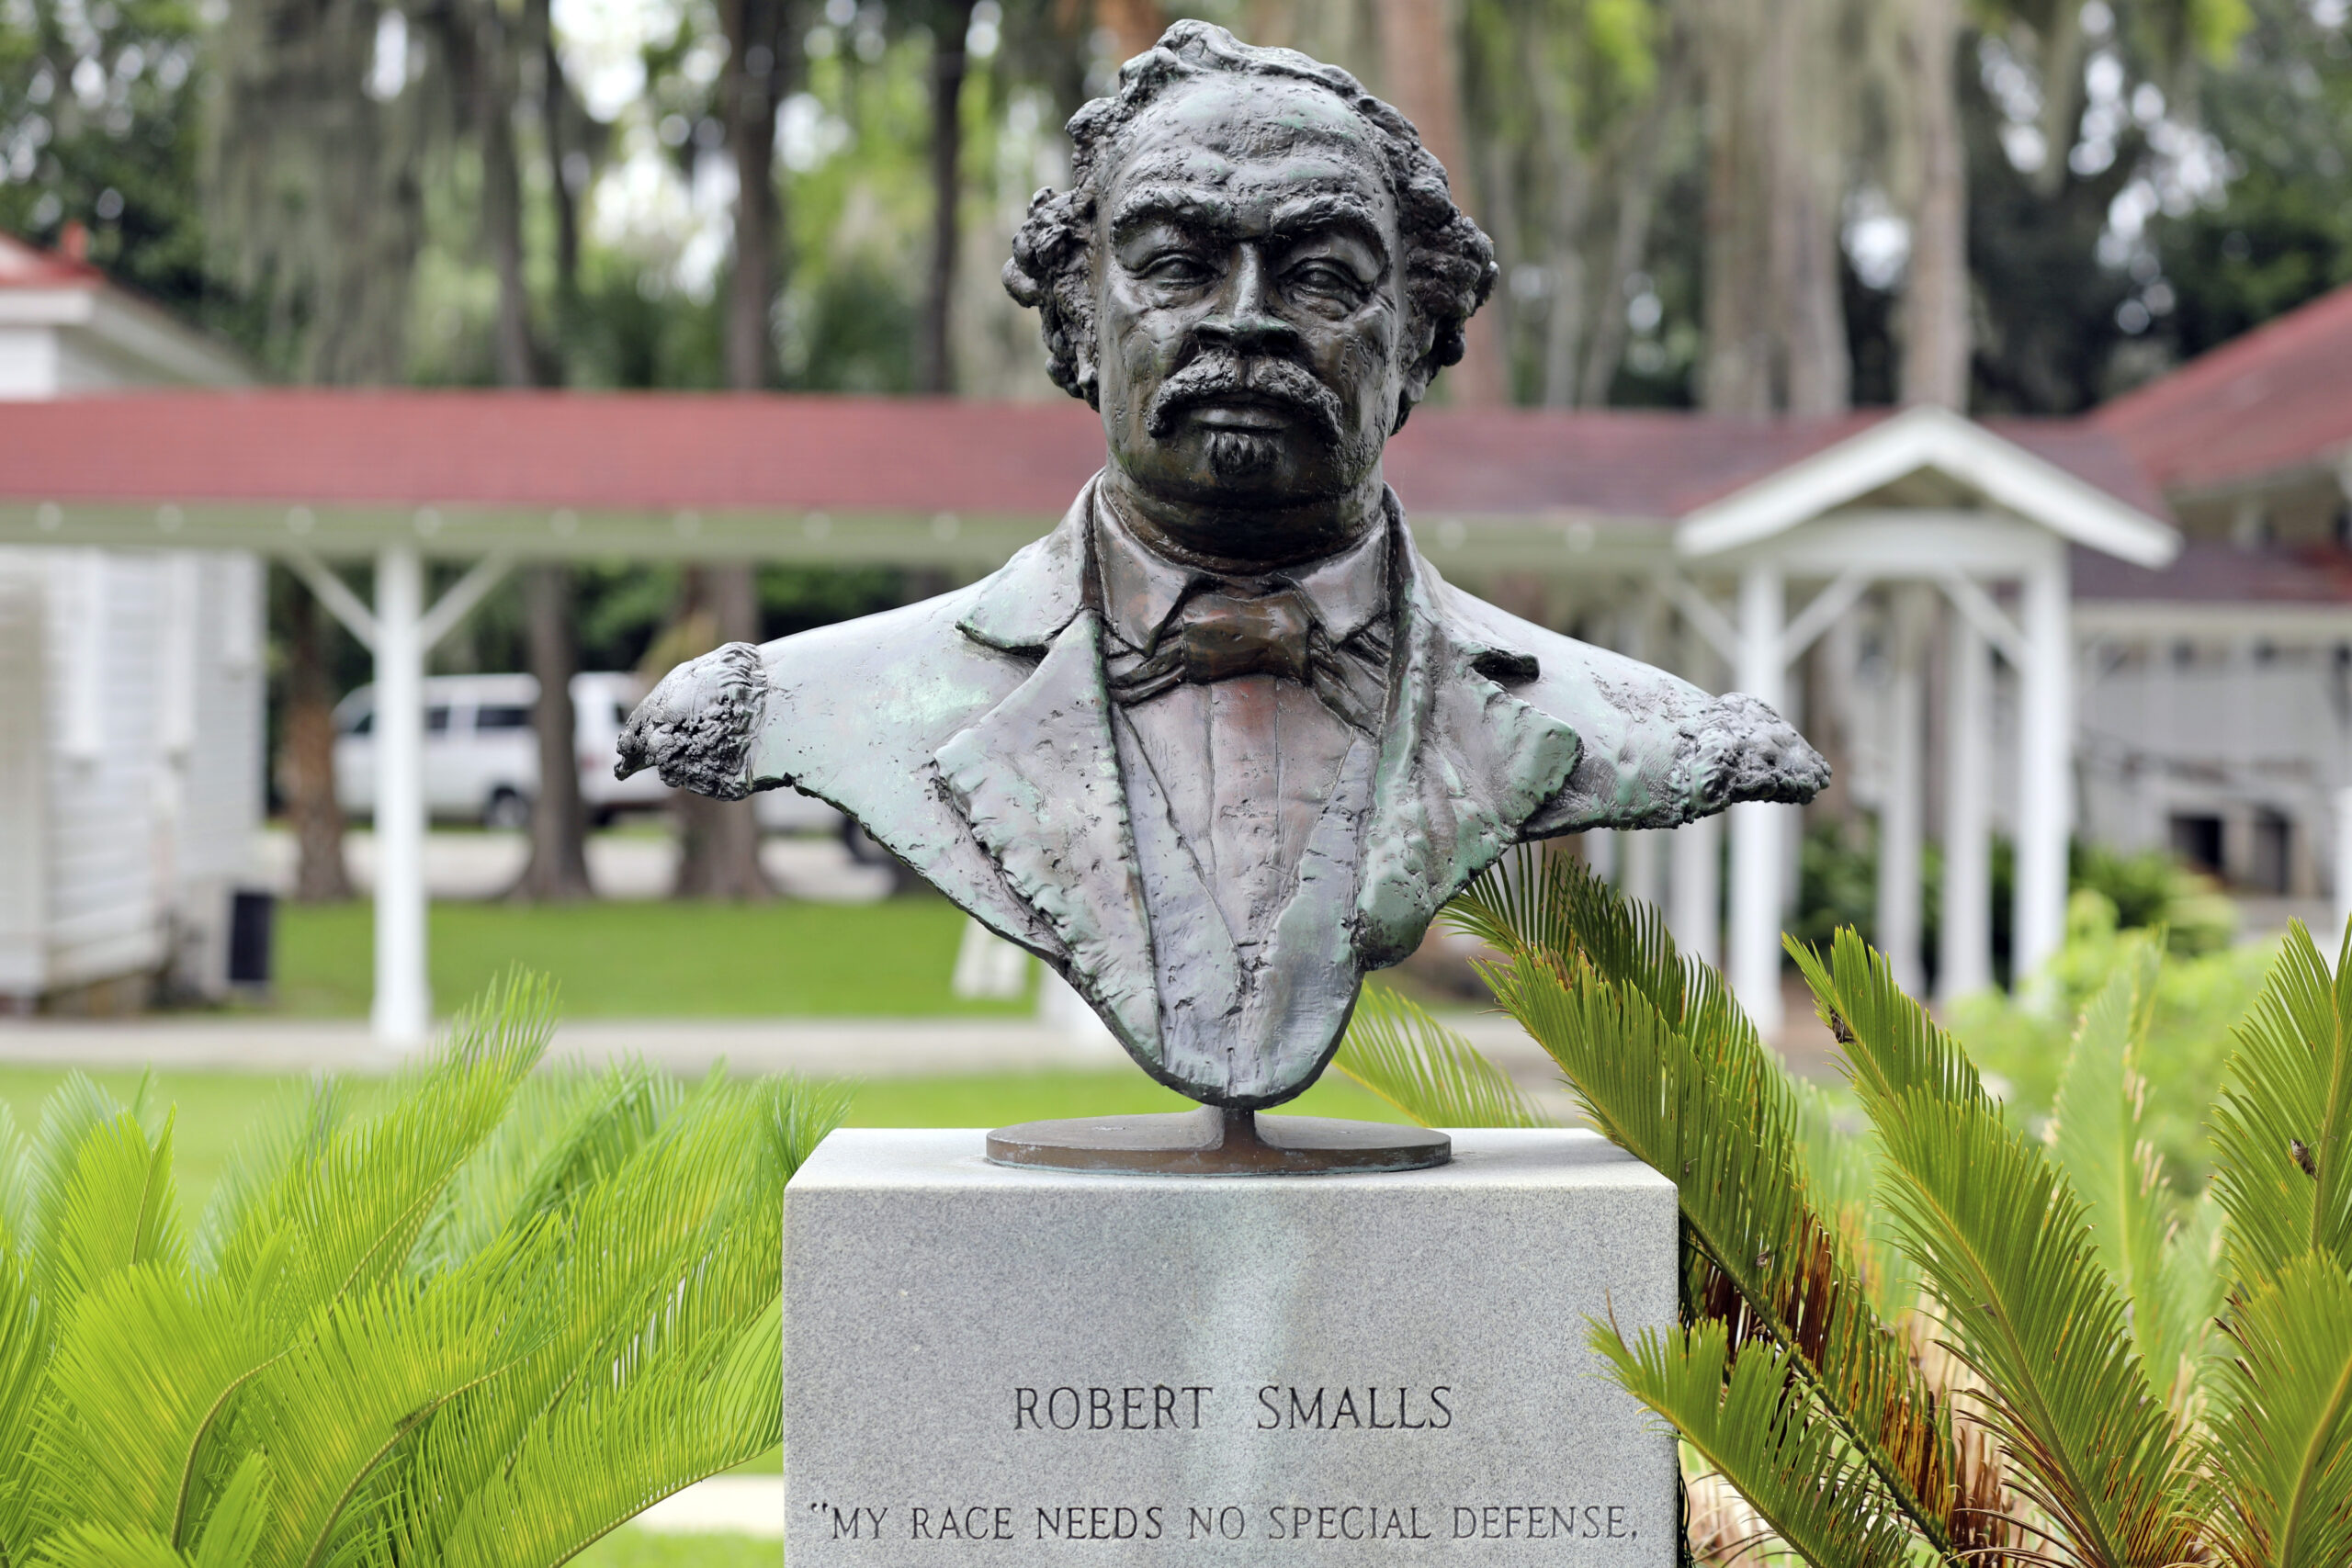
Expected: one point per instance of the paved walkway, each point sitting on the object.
(735, 1504)
(862, 1048)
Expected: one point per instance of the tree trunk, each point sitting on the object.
(752, 89)
(1570, 186)
(1133, 25)
(1776, 328)
(719, 840)
(947, 68)
(557, 869)
(493, 77)
(1737, 377)
(1637, 183)
(1935, 296)
(1421, 70)
(306, 758)
(555, 117)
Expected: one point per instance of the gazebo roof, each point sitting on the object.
(2115, 512)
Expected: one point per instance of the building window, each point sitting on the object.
(2274, 842)
(2197, 840)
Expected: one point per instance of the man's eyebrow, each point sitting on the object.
(1147, 205)
(1166, 204)
(1328, 211)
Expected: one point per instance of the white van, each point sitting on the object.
(482, 756)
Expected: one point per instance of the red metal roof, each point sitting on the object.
(27, 266)
(717, 452)
(2276, 399)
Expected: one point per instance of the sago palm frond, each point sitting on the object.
(2004, 1247)
(1840, 1156)
(2283, 1428)
(332, 1408)
(116, 1209)
(118, 1435)
(2283, 1129)
(1748, 1419)
(344, 1211)
(564, 1128)
(474, 1311)
(1431, 1073)
(1668, 1068)
(2101, 1144)
(615, 1452)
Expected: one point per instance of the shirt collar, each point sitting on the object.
(1141, 589)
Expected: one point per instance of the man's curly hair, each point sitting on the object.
(1449, 260)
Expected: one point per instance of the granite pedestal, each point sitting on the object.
(991, 1366)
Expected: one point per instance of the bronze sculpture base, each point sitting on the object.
(1213, 1141)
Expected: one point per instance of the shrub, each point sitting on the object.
(1942, 1339)
(2022, 1046)
(485, 1320)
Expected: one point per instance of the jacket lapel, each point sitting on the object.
(1463, 765)
(1037, 777)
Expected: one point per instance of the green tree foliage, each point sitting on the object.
(1935, 1334)
(480, 1316)
(100, 126)
(2283, 231)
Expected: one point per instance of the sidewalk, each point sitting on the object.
(819, 1047)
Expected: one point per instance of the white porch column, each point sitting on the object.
(1904, 807)
(1694, 900)
(404, 1010)
(1757, 827)
(2045, 781)
(1965, 954)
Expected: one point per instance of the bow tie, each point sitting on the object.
(1218, 636)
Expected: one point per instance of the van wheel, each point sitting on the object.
(506, 809)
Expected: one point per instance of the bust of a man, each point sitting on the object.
(1223, 742)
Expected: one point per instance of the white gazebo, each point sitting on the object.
(1920, 506)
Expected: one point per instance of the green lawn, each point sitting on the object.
(213, 1111)
(653, 959)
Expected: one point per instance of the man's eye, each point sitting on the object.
(1176, 268)
(1327, 277)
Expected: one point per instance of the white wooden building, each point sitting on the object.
(131, 693)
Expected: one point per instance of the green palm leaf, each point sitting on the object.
(1399, 1051)
(2282, 1431)
(485, 1310)
(344, 1210)
(332, 1408)
(1748, 1418)
(116, 1209)
(2005, 1247)
(611, 1455)
(1668, 1068)
(2283, 1129)
(91, 1545)
(118, 1432)
(232, 1530)
(2102, 1146)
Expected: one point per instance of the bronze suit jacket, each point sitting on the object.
(971, 735)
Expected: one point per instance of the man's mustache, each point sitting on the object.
(1277, 382)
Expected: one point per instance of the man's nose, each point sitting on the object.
(1240, 320)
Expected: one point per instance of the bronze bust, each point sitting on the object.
(1223, 742)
